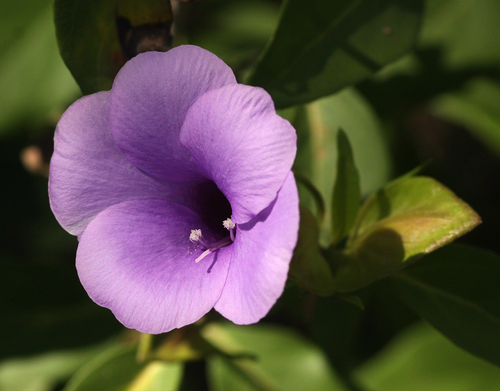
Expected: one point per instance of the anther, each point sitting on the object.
(230, 226)
(197, 236)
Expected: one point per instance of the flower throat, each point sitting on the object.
(196, 236)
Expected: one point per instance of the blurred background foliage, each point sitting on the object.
(439, 103)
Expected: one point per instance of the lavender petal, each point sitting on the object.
(88, 173)
(149, 100)
(262, 252)
(238, 141)
(135, 258)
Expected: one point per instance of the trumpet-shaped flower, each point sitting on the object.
(178, 184)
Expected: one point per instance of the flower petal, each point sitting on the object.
(149, 100)
(136, 259)
(262, 252)
(238, 141)
(88, 172)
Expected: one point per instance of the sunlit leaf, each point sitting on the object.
(420, 359)
(96, 37)
(282, 360)
(456, 290)
(346, 191)
(408, 218)
(158, 376)
(320, 47)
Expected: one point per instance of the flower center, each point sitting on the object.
(196, 236)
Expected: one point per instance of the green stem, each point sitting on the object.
(144, 348)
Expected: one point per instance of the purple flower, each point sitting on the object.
(178, 184)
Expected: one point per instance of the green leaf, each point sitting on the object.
(96, 37)
(45, 371)
(456, 290)
(447, 56)
(117, 369)
(317, 126)
(34, 82)
(346, 191)
(420, 359)
(408, 218)
(236, 31)
(477, 107)
(112, 370)
(308, 268)
(320, 47)
(457, 26)
(182, 345)
(282, 360)
(314, 194)
(158, 376)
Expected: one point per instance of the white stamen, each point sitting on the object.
(228, 224)
(195, 235)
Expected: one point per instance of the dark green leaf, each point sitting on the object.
(282, 360)
(457, 26)
(320, 47)
(456, 290)
(335, 327)
(308, 269)
(236, 31)
(447, 56)
(314, 193)
(96, 37)
(421, 359)
(408, 218)
(346, 191)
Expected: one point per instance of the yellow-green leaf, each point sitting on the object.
(408, 218)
